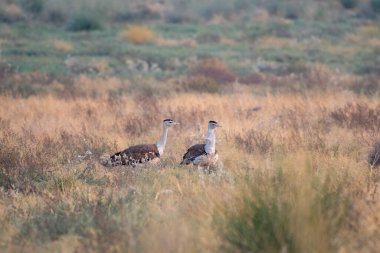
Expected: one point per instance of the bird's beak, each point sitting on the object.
(175, 123)
(218, 125)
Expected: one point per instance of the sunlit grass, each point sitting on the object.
(312, 186)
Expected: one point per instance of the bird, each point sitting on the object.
(203, 155)
(140, 154)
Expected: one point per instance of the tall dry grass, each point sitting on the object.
(295, 175)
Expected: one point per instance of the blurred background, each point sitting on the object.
(168, 46)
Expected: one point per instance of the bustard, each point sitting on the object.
(142, 153)
(203, 155)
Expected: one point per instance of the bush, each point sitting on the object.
(286, 9)
(349, 4)
(11, 13)
(252, 78)
(368, 62)
(213, 69)
(33, 6)
(84, 22)
(375, 6)
(138, 34)
(140, 13)
(292, 11)
(260, 227)
(272, 218)
(56, 16)
(177, 18)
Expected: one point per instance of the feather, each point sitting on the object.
(206, 160)
(197, 155)
(193, 152)
(134, 155)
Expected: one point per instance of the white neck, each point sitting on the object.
(162, 141)
(210, 141)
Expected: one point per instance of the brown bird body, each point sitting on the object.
(135, 155)
(193, 152)
(197, 155)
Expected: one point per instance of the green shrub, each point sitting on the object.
(375, 6)
(349, 4)
(84, 22)
(33, 6)
(262, 226)
(271, 217)
(177, 18)
(141, 13)
(292, 11)
(56, 16)
(368, 62)
(288, 9)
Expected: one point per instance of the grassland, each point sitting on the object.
(295, 176)
(295, 87)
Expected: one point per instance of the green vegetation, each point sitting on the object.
(326, 41)
(84, 22)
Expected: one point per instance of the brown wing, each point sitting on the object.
(134, 155)
(193, 152)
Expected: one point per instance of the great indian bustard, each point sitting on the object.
(140, 154)
(203, 155)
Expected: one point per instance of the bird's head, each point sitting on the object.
(213, 124)
(169, 122)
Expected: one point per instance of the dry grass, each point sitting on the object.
(276, 42)
(137, 34)
(295, 177)
(369, 30)
(62, 45)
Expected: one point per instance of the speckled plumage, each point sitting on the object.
(193, 152)
(134, 155)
